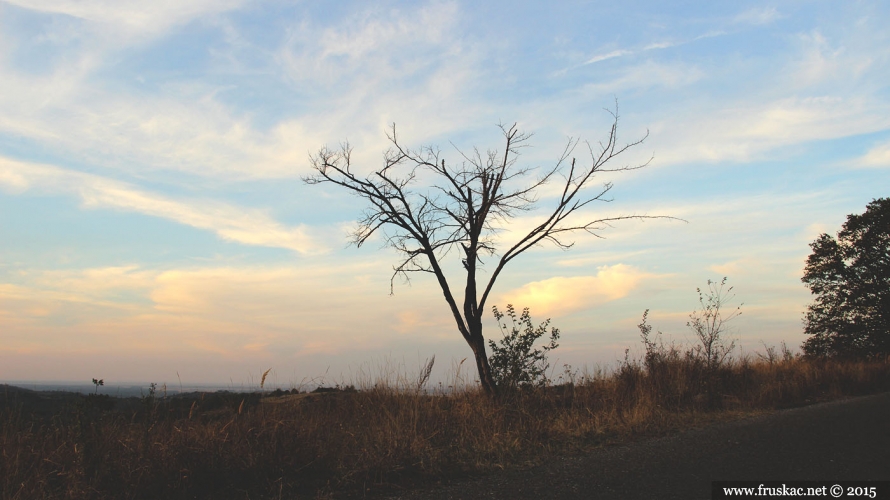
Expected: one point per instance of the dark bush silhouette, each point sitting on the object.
(850, 277)
(515, 362)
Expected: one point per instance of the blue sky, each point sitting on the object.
(153, 220)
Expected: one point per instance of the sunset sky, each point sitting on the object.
(154, 226)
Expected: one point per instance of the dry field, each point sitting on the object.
(383, 436)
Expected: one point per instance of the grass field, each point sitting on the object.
(382, 436)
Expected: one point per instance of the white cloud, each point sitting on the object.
(660, 45)
(876, 157)
(187, 130)
(758, 16)
(563, 295)
(609, 55)
(242, 225)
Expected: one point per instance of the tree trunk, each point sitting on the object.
(477, 344)
(474, 320)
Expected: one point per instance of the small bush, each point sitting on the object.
(516, 362)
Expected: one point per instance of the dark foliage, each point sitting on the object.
(850, 277)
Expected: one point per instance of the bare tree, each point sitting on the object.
(464, 206)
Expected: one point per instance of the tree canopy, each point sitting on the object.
(850, 277)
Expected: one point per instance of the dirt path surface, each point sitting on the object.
(840, 440)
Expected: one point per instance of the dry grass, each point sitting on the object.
(349, 443)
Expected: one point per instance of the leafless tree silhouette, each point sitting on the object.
(463, 207)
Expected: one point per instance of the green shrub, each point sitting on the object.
(515, 362)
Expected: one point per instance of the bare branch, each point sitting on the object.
(464, 206)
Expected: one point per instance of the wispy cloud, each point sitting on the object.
(366, 34)
(665, 44)
(403, 65)
(225, 310)
(242, 225)
(748, 131)
(671, 43)
(838, 62)
(391, 47)
(609, 55)
(363, 73)
(131, 18)
(758, 16)
(187, 129)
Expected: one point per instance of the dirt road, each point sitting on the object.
(840, 440)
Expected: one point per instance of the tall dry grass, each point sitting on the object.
(385, 435)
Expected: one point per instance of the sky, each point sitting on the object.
(154, 226)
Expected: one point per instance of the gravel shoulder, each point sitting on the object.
(840, 440)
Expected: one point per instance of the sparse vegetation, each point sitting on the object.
(355, 442)
(710, 324)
